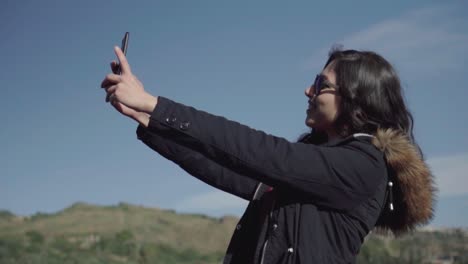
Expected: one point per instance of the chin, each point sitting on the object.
(311, 123)
(314, 123)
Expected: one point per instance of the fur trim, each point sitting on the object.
(413, 183)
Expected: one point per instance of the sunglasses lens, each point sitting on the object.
(318, 84)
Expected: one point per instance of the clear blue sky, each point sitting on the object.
(247, 60)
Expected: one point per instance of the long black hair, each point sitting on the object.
(371, 96)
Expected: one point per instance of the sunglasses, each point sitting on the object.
(321, 82)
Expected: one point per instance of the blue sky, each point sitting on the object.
(247, 60)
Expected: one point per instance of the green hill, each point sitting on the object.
(125, 233)
(114, 234)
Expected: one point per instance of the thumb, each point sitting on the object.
(125, 110)
(124, 66)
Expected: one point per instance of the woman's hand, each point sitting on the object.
(126, 92)
(141, 117)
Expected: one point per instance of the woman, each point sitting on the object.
(311, 201)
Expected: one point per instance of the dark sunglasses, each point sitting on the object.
(321, 82)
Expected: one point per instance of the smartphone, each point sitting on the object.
(123, 47)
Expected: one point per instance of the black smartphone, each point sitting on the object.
(123, 47)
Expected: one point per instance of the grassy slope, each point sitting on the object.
(201, 233)
(165, 233)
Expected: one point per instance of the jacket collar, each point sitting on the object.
(340, 141)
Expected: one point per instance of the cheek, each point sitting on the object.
(337, 104)
(325, 113)
(329, 107)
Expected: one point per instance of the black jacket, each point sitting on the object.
(308, 203)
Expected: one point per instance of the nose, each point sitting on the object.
(309, 92)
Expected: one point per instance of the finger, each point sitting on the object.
(124, 66)
(114, 67)
(111, 89)
(111, 98)
(110, 92)
(110, 80)
(117, 105)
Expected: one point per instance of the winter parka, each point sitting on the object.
(308, 203)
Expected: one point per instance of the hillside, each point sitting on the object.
(125, 233)
(109, 229)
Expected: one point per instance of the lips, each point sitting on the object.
(312, 106)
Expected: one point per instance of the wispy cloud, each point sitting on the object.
(423, 41)
(451, 174)
(212, 202)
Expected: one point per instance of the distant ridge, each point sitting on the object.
(125, 233)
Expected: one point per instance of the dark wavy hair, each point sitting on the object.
(372, 97)
(372, 102)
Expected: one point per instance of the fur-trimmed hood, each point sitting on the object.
(413, 190)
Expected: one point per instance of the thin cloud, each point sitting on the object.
(450, 174)
(423, 41)
(212, 201)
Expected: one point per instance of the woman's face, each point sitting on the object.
(323, 107)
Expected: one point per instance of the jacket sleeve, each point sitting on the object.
(338, 177)
(199, 166)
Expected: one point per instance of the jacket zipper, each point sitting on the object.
(268, 231)
(263, 251)
(256, 191)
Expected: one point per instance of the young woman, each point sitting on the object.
(311, 201)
